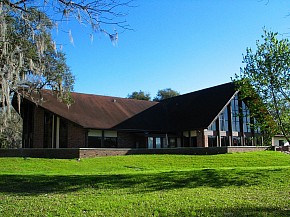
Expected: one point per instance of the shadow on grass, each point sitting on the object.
(39, 184)
(229, 212)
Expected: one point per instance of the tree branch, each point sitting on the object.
(15, 5)
(280, 123)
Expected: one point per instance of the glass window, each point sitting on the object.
(94, 142)
(110, 142)
(212, 141)
(178, 142)
(259, 141)
(108, 133)
(48, 122)
(165, 142)
(172, 142)
(248, 141)
(235, 114)
(63, 133)
(212, 127)
(158, 142)
(246, 118)
(194, 141)
(236, 141)
(97, 133)
(257, 128)
(110, 139)
(281, 142)
(150, 142)
(225, 141)
(224, 120)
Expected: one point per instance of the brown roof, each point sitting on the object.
(195, 110)
(94, 111)
(190, 111)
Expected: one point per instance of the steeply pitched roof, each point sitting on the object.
(93, 111)
(190, 111)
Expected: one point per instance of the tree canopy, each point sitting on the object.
(29, 57)
(11, 134)
(97, 14)
(161, 95)
(165, 94)
(29, 60)
(267, 74)
(141, 95)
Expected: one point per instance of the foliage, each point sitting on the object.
(30, 59)
(141, 95)
(267, 75)
(161, 95)
(165, 94)
(246, 184)
(97, 14)
(11, 135)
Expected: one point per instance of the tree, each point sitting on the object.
(141, 95)
(165, 94)
(11, 134)
(28, 49)
(30, 59)
(98, 14)
(267, 74)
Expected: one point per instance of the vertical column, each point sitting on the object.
(202, 138)
(253, 133)
(205, 138)
(189, 137)
(52, 132)
(241, 121)
(230, 124)
(103, 139)
(57, 133)
(218, 132)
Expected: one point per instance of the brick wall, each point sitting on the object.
(87, 153)
(76, 136)
(41, 153)
(130, 140)
(201, 139)
(38, 127)
(98, 152)
(126, 140)
(233, 149)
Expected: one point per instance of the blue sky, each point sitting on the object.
(185, 45)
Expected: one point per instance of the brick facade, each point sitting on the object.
(131, 140)
(126, 140)
(99, 152)
(38, 127)
(201, 138)
(77, 136)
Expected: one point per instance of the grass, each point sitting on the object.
(240, 184)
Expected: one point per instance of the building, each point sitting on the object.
(206, 118)
(279, 140)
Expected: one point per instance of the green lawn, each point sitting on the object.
(240, 184)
